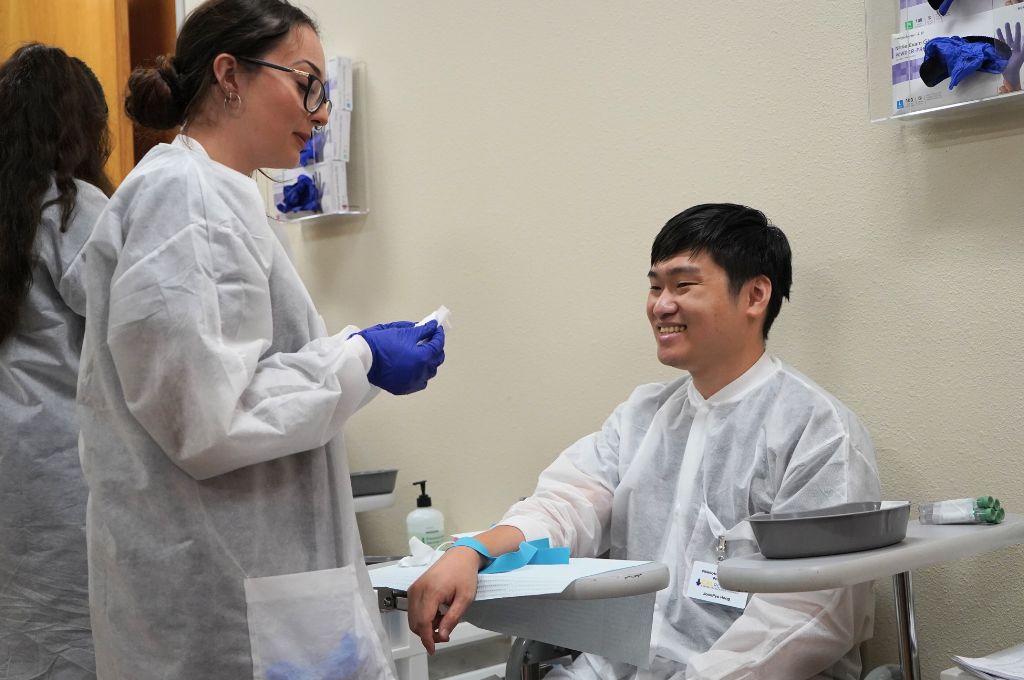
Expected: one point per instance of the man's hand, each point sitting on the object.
(451, 581)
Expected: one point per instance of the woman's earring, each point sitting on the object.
(232, 102)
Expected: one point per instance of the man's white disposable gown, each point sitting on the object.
(44, 599)
(669, 473)
(222, 536)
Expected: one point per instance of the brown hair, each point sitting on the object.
(165, 96)
(54, 131)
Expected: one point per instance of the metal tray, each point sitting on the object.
(845, 528)
(373, 482)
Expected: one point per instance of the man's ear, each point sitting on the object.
(225, 71)
(757, 295)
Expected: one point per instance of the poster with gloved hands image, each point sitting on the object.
(975, 51)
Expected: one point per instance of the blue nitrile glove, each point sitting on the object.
(940, 6)
(956, 58)
(382, 326)
(302, 195)
(313, 151)
(344, 661)
(283, 670)
(1012, 73)
(405, 357)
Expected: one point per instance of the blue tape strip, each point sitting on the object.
(530, 552)
(511, 561)
(551, 556)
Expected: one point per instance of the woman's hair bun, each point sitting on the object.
(154, 98)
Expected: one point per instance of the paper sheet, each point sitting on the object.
(1007, 664)
(530, 580)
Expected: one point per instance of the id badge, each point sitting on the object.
(703, 585)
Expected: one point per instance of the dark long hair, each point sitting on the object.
(54, 129)
(166, 96)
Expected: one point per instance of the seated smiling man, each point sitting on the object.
(678, 466)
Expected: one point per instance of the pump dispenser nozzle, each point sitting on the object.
(424, 500)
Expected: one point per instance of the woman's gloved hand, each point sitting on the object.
(405, 356)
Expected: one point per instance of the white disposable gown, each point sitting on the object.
(222, 536)
(671, 471)
(44, 600)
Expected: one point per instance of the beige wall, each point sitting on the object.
(525, 153)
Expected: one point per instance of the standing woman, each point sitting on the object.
(53, 144)
(222, 536)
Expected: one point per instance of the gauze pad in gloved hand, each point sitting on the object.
(443, 317)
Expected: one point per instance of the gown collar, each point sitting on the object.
(192, 144)
(753, 377)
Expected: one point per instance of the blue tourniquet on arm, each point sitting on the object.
(530, 552)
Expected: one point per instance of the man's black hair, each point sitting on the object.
(740, 240)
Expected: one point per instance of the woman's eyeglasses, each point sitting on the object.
(316, 91)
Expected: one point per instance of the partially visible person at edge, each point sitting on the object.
(53, 145)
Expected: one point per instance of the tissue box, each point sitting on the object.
(909, 93)
(337, 135)
(339, 83)
(919, 14)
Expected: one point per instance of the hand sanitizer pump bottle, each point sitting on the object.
(425, 522)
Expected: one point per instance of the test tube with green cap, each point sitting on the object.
(980, 510)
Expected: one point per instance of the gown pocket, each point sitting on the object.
(313, 626)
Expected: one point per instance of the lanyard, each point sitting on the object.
(740, 532)
(693, 458)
